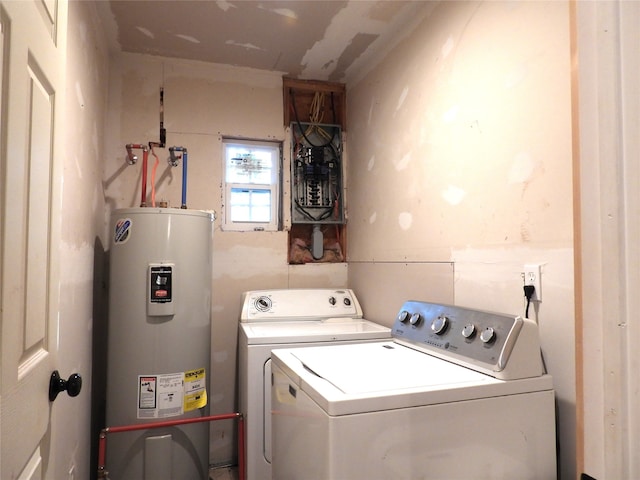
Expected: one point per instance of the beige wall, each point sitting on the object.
(459, 150)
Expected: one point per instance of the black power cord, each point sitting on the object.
(529, 290)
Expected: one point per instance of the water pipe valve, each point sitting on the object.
(174, 160)
(132, 158)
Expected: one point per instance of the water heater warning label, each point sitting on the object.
(195, 390)
(172, 394)
(160, 396)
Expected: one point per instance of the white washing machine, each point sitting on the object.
(287, 318)
(456, 394)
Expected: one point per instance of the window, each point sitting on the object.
(251, 185)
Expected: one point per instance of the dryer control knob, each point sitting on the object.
(403, 316)
(263, 304)
(439, 325)
(488, 335)
(415, 319)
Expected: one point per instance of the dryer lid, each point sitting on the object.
(328, 330)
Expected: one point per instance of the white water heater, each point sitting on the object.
(159, 334)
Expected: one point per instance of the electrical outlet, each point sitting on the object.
(533, 276)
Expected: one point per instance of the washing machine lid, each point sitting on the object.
(326, 330)
(382, 367)
(368, 377)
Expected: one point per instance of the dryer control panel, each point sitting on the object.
(500, 345)
(298, 304)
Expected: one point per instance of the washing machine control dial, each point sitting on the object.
(332, 300)
(469, 330)
(439, 325)
(415, 319)
(403, 316)
(347, 301)
(488, 335)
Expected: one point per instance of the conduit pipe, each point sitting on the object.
(132, 159)
(102, 445)
(173, 161)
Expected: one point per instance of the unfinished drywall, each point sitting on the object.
(384, 286)
(74, 430)
(459, 151)
(203, 103)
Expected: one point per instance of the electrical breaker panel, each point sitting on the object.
(161, 297)
(316, 174)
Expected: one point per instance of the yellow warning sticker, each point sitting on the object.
(195, 389)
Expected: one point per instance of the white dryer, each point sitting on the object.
(456, 394)
(287, 318)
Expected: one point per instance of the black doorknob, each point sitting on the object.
(56, 385)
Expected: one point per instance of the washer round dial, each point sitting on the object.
(439, 325)
(469, 330)
(488, 335)
(415, 319)
(403, 316)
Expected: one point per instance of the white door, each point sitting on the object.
(32, 64)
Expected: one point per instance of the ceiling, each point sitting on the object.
(331, 40)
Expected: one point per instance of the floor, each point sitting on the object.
(224, 473)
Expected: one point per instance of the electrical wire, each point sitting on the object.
(316, 115)
(302, 131)
(529, 290)
(324, 215)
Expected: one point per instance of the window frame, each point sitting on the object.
(275, 187)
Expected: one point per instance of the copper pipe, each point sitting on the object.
(145, 158)
(132, 159)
